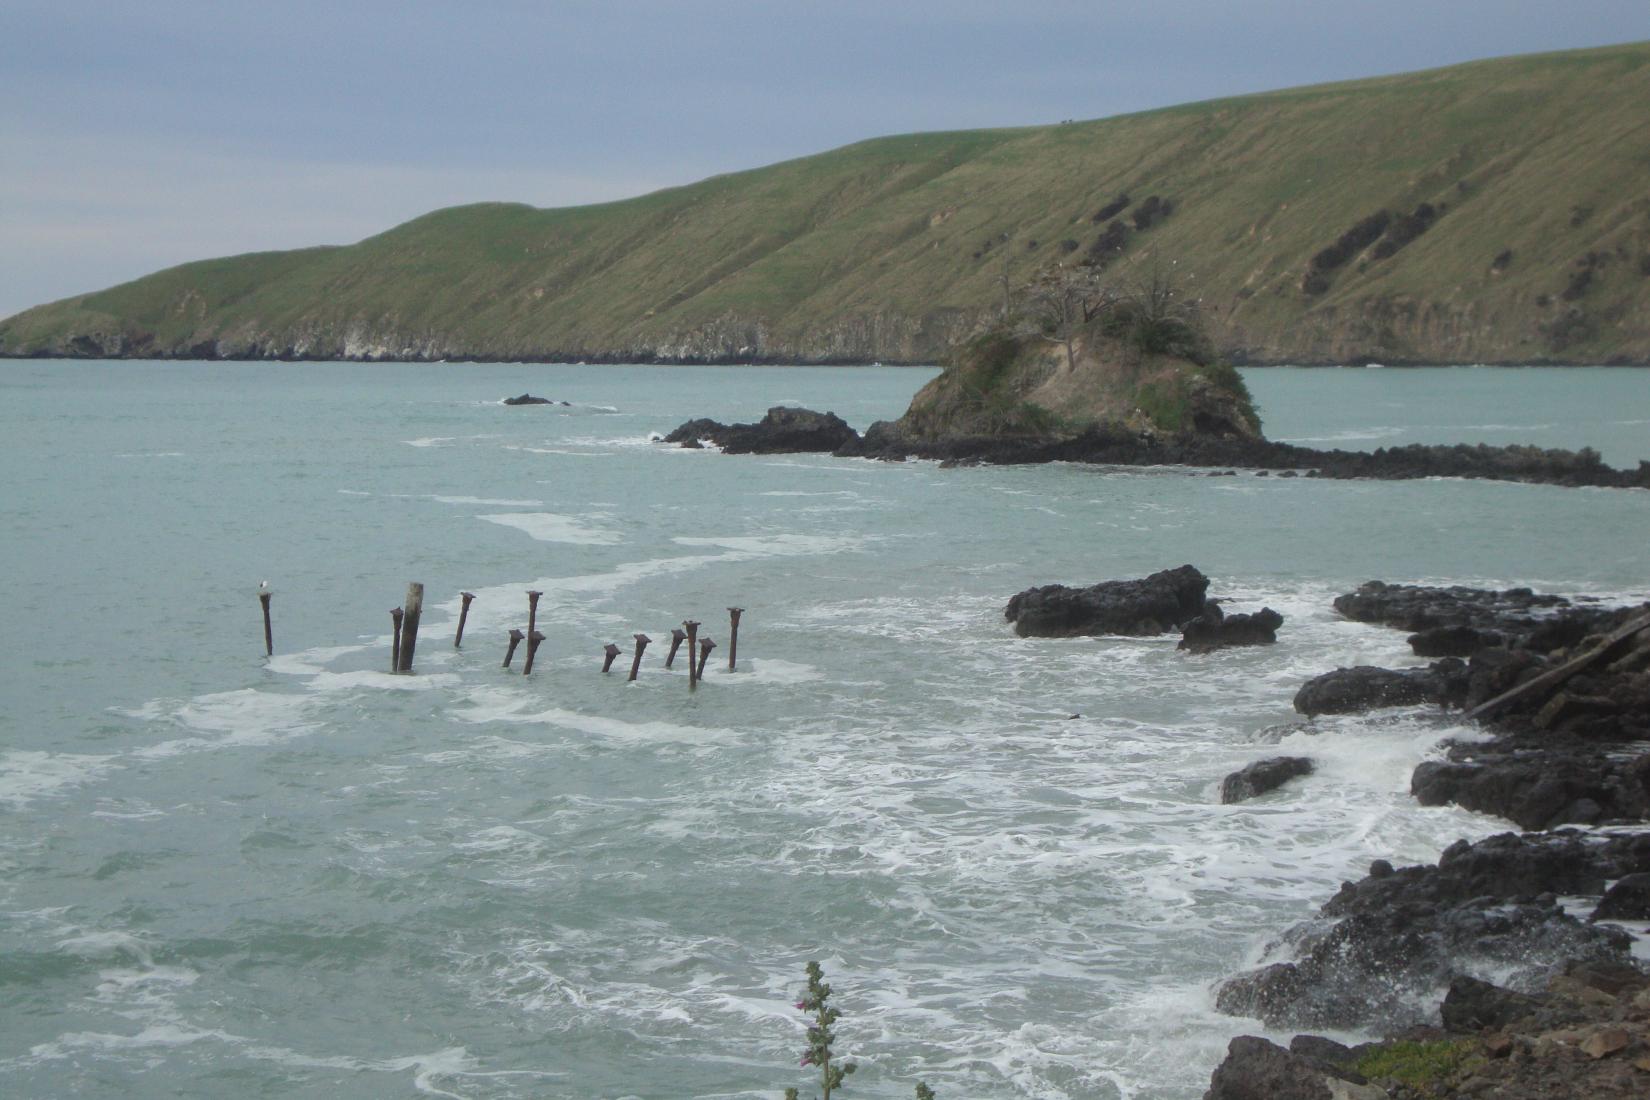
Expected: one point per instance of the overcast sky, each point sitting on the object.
(135, 134)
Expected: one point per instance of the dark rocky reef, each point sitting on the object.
(1149, 605)
(1458, 621)
(1116, 446)
(1352, 690)
(1383, 943)
(529, 399)
(1214, 629)
(1262, 776)
(783, 430)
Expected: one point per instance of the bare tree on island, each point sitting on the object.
(1060, 301)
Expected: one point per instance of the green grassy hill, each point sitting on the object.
(1491, 212)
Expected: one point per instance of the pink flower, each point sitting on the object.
(802, 1004)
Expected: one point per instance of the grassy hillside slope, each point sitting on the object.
(1515, 195)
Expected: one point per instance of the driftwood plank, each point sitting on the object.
(1556, 676)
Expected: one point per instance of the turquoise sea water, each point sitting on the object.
(225, 875)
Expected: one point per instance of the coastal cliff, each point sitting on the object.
(1490, 212)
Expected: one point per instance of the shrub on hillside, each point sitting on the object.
(1110, 210)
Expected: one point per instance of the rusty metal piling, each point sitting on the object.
(463, 613)
(533, 641)
(610, 654)
(515, 639)
(705, 646)
(396, 615)
(676, 637)
(636, 662)
(692, 628)
(733, 635)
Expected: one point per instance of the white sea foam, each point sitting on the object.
(431, 441)
(27, 775)
(488, 502)
(550, 527)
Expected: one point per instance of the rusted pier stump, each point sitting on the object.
(636, 662)
(269, 638)
(692, 627)
(463, 613)
(515, 639)
(411, 612)
(705, 646)
(676, 637)
(533, 641)
(532, 613)
(611, 653)
(395, 646)
(733, 635)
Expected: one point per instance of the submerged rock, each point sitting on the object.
(1263, 776)
(1149, 605)
(528, 399)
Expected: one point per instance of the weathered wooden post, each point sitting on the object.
(676, 637)
(733, 635)
(395, 646)
(636, 661)
(533, 641)
(411, 613)
(263, 597)
(705, 646)
(515, 639)
(612, 653)
(532, 613)
(692, 626)
(463, 613)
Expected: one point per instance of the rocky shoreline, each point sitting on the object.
(790, 430)
(1563, 689)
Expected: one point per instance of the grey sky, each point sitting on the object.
(135, 134)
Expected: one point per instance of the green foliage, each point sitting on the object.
(820, 1035)
(1421, 1065)
(1164, 402)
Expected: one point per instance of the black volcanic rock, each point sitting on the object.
(1381, 943)
(528, 399)
(1263, 776)
(1150, 605)
(1214, 629)
(1259, 1069)
(1627, 899)
(1352, 690)
(784, 430)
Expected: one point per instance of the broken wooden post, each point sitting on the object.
(463, 613)
(412, 611)
(1550, 679)
(733, 635)
(532, 612)
(533, 641)
(515, 639)
(395, 646)
(692, 627)
(610, 654)
(676, 637)
(636, 661)
(263, 597)
(705, 646)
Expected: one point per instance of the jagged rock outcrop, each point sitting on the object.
(1149, 605)
(784, 430)
(1352, 690)
(1214, 629)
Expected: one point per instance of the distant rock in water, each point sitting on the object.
(1214, 629)
(529, 399)
(1150, 605)
(784, 430)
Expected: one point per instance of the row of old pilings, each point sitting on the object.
(405, 620)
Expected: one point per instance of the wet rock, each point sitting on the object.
(1381, 945)
(1453, 641)
(1258, 1069)
(1538, 785)
(1473, 1005)
(1214, 629)
(1150, 605)
(528, 399)
(1628, 899)
(1263, 776)
(1425, 608)
(1353, 690)
(784, 430)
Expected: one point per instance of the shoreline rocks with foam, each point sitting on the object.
(1565, 691)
